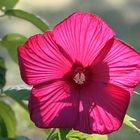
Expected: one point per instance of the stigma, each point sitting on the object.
(79, 78)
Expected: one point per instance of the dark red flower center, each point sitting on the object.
(79, 76)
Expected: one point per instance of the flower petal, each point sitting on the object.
(120, 67)
(102, 108)
(82, 35)
(40, 60)
(54, 105)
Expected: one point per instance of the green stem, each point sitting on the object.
(51, 133)
(59, 135)
(29, 17)
(136, 92)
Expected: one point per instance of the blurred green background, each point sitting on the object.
(122, 15)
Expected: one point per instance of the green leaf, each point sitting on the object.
(8, 117)
(100, 137)
(128, 121)
(11, 42)
(39, 23)
(2, 73)
(7, 4)
(18, 94)
(22, 138)
(77, 135)
(3, 129)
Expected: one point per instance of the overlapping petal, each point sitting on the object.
(82, 35)
(54, 105)
(41, 61)
(102, 108)
(121, 67)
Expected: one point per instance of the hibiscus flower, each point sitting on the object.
(82, 76)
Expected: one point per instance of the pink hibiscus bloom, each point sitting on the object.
(82, 76)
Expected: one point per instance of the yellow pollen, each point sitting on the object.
(79, 78)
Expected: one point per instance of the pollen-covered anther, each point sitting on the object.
(79, 78)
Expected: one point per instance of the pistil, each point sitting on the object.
(79, 78)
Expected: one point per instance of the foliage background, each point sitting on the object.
(122, 15)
